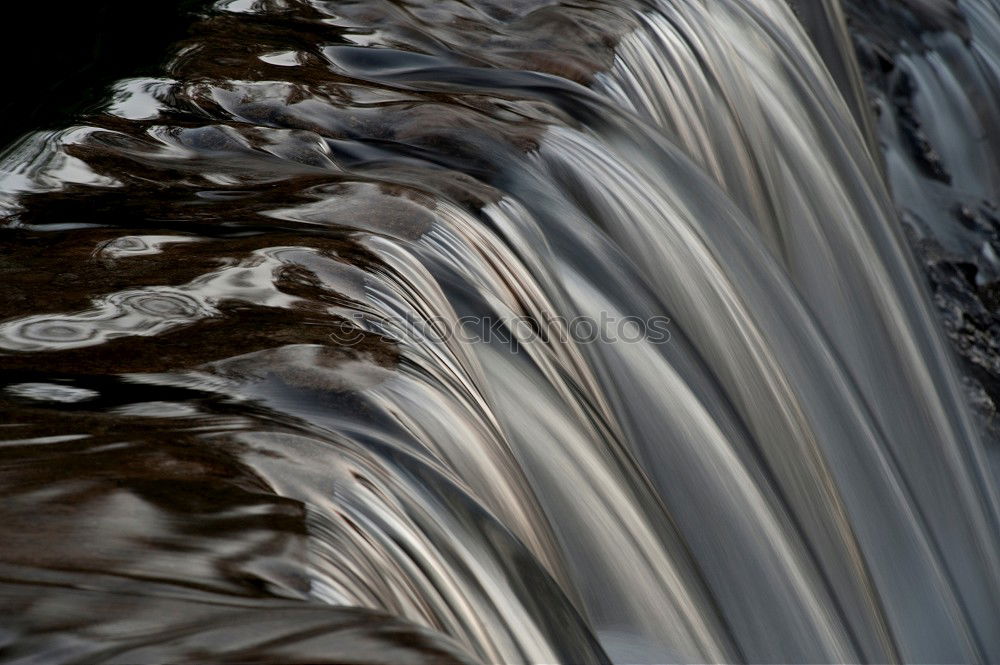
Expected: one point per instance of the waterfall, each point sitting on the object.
(553, 333)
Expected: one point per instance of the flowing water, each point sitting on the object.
(500, 331)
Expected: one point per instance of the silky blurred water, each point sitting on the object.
(246, 421)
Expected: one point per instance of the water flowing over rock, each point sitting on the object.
(421, 331)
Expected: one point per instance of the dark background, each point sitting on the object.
(57, 59)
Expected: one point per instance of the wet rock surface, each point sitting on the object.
(970, 313)
(931, 76)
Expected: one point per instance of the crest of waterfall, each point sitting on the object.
(789, 475)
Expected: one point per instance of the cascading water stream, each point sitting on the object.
(394, 342)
